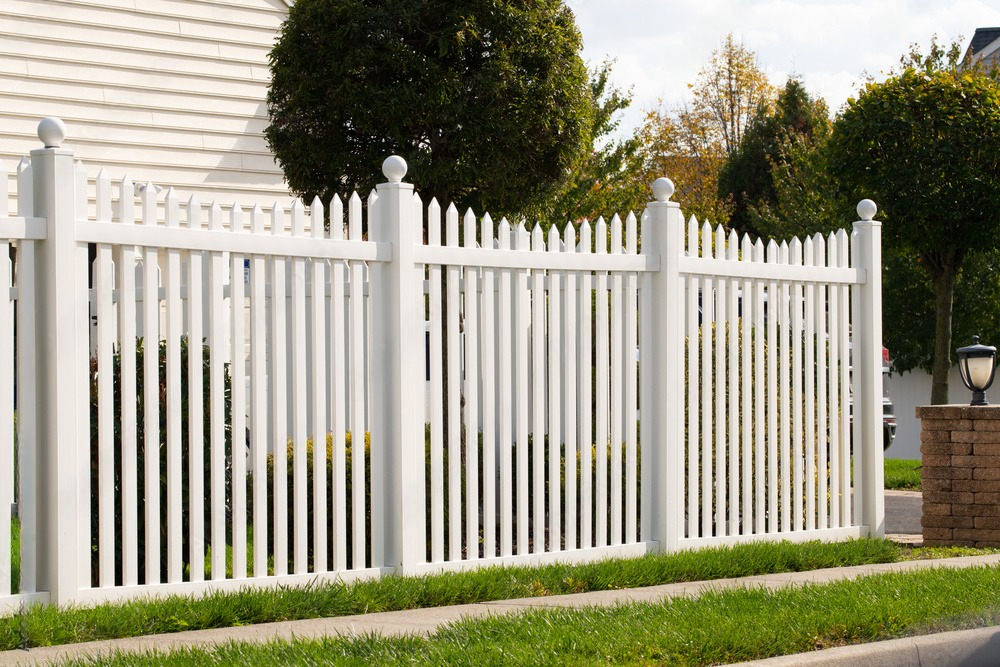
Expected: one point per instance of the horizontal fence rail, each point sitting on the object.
(225, 397)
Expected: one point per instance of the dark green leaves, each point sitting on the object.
(487, 101)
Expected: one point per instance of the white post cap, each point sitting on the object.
(52, 132)
(394, 168)
(663, 189)
(867, 209)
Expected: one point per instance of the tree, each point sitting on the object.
(684, 148)
(746, 178)
(608, 179)
(691, 143)
(487, 101)
(806, 199)
(925, 144)
(730, 91)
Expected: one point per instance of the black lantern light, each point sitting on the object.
(977, 364)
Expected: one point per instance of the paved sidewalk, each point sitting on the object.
(427, 621)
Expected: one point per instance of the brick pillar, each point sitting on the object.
(960, 475)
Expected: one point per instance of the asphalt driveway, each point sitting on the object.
(902, 512)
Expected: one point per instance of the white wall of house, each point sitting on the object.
(170, 90)
(910, 390)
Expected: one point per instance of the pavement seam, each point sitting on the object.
(427, 620)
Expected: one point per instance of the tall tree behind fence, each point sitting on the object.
(210, 397)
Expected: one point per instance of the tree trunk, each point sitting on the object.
(943, 280)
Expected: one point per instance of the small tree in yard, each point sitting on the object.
(925, 144)
(488, 101)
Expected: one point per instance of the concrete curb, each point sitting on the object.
(427, 621)
(966, 648)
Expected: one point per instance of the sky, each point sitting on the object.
(660, 45)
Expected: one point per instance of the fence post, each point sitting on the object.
(397, 367)
(63, 363)
(663, 234)
(866, 251)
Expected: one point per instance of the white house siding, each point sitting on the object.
(166, 90)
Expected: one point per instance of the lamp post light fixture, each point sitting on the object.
(977, 364)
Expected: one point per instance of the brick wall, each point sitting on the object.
(960, 474)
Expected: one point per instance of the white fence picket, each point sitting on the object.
(811, 473)
(471, 393)
(522, 328)
(617, 398)
(746, 408)
(732, 341)
(554, 449)
(175, 329)
(104, 287)
(834, 397)
(602, 367)
(707, 299)
(320, 426)
(718, 383)
(454, 393)
(845, 400)
(506, 397)
(436, 365)
(216, 405)
(488, 350)
(338, 391)
(538, 395)
(571, 507)
(278, 383)
(586, 411)
(299, 407)
(238, 377)
(693, 299)
(196, 407)
(796, 305)
(629, 420)
(359, 481)
(259, 395)
(822, 405)
(772, 483)
(760, 394)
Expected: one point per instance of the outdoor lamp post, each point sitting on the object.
(977, 364)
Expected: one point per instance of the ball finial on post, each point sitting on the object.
(867, 209)
(663, 189)
(52, 132)
(394, 168)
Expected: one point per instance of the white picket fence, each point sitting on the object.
(546, 352)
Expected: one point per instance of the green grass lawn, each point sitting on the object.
(902, 474)
(715, 628)
(46, 625)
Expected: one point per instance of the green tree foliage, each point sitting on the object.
(488, 101)
(925, 145)
(608, 179)
(746, 179)
(806, 198)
